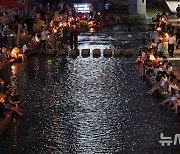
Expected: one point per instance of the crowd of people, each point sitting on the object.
(154, 62)
(50, 27)
(8, 100)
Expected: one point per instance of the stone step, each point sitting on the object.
(128, 52)
(62, 52)
(85, 52)
(74, 52)
(107, 52)
(118, 52)
(96, 52)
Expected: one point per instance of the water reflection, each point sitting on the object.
(86, 105)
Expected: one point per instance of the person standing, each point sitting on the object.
(178, 11)
(65, 37)
(178, 39)
(154, 35)
(43, 38)
(171, 43)
(24, 48)
(73, 39)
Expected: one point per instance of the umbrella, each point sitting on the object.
(10, 4)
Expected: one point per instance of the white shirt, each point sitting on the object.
(24, 48)
(171, 40)
(43, 35)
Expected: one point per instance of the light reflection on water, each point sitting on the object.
(85, 105)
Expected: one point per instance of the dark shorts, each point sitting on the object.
(43, 41)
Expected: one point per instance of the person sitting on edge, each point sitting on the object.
(170, 100)
(2, 83)
(15, 102)
(159, 86)
(176, 105)
(6, 51)
(3, 57)
(10, 106)
(34, 41)
(173, 99)
(15, 53)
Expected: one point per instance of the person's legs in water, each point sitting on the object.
(17, 111)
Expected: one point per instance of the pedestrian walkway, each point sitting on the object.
(176, 59)
(173, 19)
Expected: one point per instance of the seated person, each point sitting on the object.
(2, 84)
(16, 53)
(6, 51)
(14, 104)
(159, 86)
(176, 105)
(3, 57)
(35, 40)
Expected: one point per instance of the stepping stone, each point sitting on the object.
(107, 52)
(96, 52)
(62, 52)
(128, 52)
(73, 52)
(118, 52)
(85, 52)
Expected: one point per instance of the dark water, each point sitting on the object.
(87, 105)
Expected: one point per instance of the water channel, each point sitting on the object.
(87, 105)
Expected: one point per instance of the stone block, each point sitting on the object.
(118, 52)
(107, 52)
(62, 52)
(85, 52)
(73, 52)
(128, 52)
(96, 52)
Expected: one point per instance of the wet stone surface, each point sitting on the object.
(87, 105)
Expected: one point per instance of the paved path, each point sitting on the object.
(176, 60)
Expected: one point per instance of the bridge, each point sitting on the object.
(135, 6)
